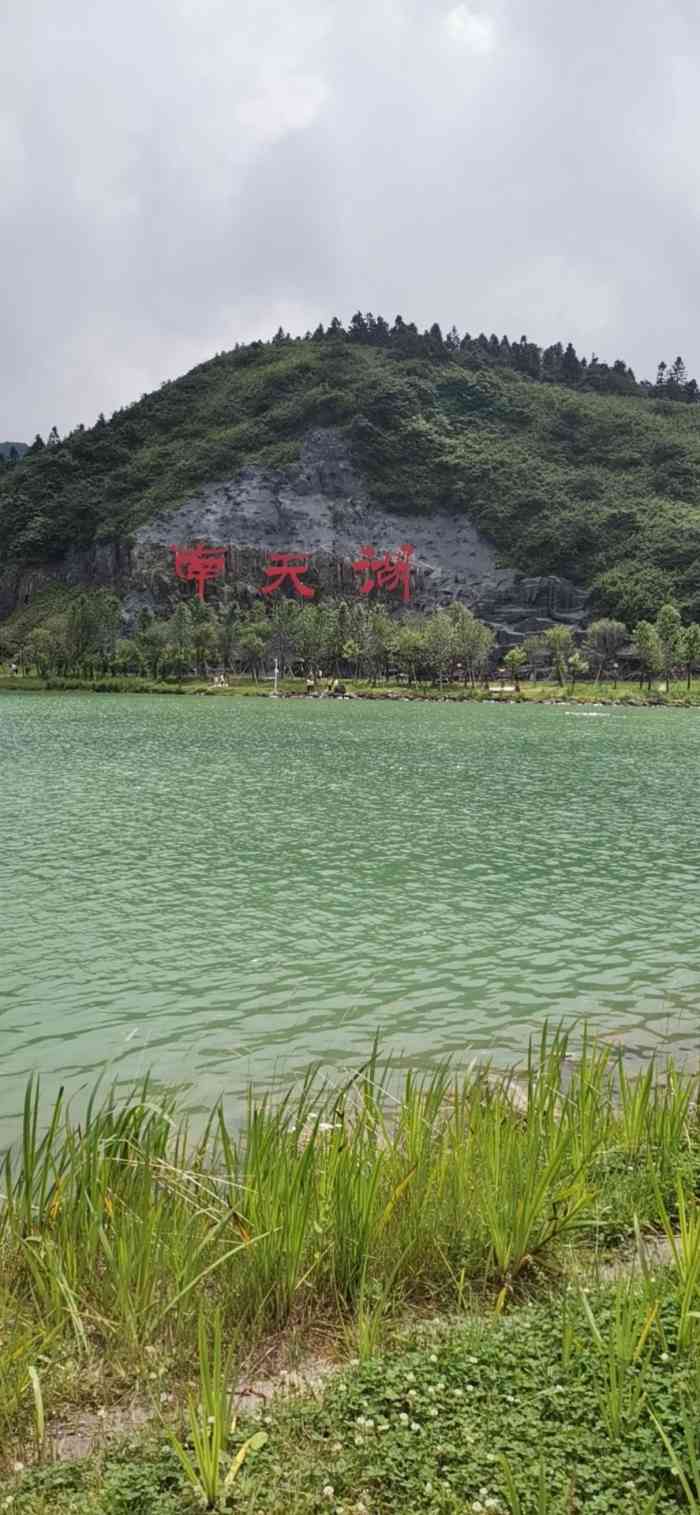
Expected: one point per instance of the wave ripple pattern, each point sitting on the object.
(219, 889)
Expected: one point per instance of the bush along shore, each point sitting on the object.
(503, 1277)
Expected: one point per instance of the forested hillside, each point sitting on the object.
(569, 466)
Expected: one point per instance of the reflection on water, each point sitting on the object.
(226, 888)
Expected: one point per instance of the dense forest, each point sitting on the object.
(569, 465)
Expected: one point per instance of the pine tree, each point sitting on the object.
(570, 366)
(357, 329)
(552, 359)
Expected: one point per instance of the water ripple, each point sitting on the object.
(220, 889)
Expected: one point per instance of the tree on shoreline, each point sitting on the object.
(439, 645)
(604, 640)
(578, 666)
(515, 661)
(668, 630)
(473, 641)
(648, 647)
(560, 642)
(690, 649)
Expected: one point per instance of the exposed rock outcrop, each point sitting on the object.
(321, 507)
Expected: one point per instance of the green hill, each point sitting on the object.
(601, 487)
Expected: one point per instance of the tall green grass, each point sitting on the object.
(346, 1205)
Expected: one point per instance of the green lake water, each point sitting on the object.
(226, 889)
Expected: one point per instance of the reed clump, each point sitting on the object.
(346, 1206)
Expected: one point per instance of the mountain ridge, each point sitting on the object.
(600, 489)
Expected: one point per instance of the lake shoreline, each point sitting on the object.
(541, 695)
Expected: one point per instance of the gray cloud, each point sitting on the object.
(178, 175)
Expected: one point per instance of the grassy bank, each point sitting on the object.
(521, 1417)
(329, 1221)
(585, 692)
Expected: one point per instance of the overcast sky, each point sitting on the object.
(179, 175)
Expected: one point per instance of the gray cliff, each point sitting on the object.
(321, 507)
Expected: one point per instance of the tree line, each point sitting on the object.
(558, 363)
(363, 641)
(449, 644)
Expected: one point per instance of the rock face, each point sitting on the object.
(320, 507)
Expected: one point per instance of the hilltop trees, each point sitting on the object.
(672, 382)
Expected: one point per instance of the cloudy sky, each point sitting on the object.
(179, 175)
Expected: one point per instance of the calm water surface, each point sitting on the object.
(220, 889)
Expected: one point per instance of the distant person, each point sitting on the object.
(310, 683)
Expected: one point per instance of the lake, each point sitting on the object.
(225, 889)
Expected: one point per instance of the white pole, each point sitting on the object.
(276, 673)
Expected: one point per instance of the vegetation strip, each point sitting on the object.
(138, 1258)
(75, 640)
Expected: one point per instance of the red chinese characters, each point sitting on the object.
(283, 566)
(199, 563)
(392, 571)
(387, 572)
